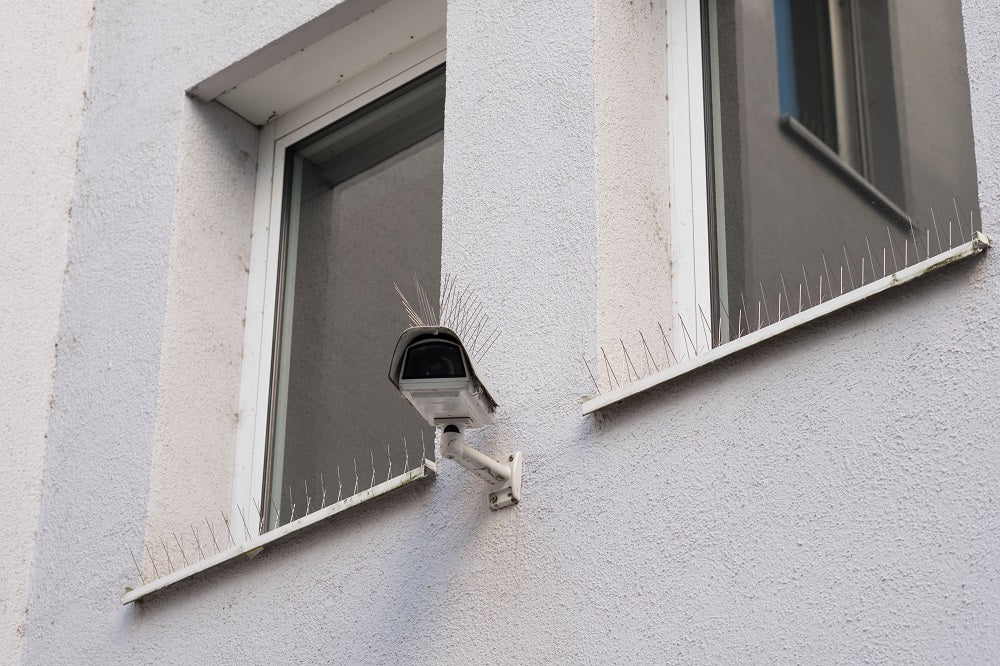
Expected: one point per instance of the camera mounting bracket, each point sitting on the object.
(504, 478)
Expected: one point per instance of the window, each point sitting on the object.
(348, 203)
(360, 210)
(858, 79)
(348, 113)
(837, 153)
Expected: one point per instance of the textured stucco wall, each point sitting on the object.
(633, 188)
(43, 75)
(830, 496)
(197, 405)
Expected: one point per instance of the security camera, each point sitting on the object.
(434, 372)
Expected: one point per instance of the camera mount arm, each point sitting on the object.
(504, 479)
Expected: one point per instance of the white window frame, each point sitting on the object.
(690, 273)
(275, 137)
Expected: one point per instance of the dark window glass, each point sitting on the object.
(362, 210)
(841, 147)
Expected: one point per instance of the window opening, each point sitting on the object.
(885, 190)
(848, 79)
(361, 210)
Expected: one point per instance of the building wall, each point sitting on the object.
(43, 75)
(631, 155)
(828, 496)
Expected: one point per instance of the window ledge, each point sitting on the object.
(846, 172)
(253, 547)
(977, 245)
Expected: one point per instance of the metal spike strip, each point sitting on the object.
(830, 286)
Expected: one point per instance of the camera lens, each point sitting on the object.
(434, 359)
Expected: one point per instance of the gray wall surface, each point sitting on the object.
(830, 496)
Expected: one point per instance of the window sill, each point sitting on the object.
(978, 244)
(253, 547)
(845, 172)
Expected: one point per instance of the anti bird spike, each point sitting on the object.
(913, 234)
(167, 552)
(212, 532)
(181, 548)
(892, 251)
(687, 336)
(152, 560)
(666, 345)
(937, 232)
(611, 372)
(648, 353)
(629, 359)
(788, 301)
(244, 519)
(584, 357)
(277, 514)
(746, 310)
(808, 290)
(707, 326)
(138, 569)
(850, 271)
(767, 310)
(829, 280)
(958, 219)
(197, 541)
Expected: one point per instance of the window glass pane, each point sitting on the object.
(362, 210)
(838, 129)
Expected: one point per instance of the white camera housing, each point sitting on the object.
(434, 372)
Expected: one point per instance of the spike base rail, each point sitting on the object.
(252, 547)
(978, 244)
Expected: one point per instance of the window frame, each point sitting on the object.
(264, 264)
(691, 275)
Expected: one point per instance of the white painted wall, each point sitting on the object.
(830, 496)
(43, 67)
